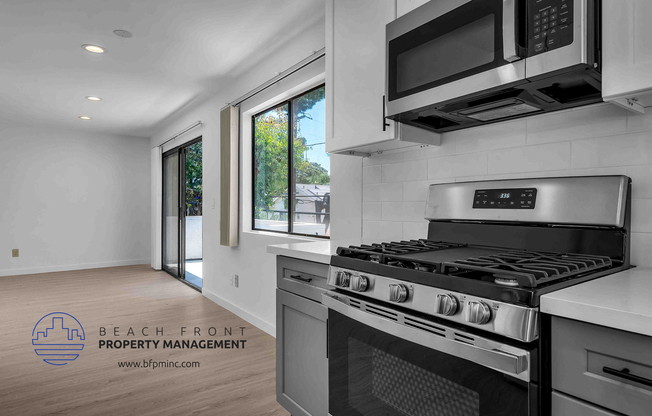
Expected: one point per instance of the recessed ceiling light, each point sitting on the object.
(84, 117)
(93, 48)
(91, 98)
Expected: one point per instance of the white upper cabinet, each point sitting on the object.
(406, 6)
(355, 79)
(355, 72)
(627, 53)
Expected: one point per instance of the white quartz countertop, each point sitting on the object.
(317, 251)
(621, 301)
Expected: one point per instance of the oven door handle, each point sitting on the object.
(511, 363)
(510, 51)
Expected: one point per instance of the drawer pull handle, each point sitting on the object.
(303, 279)
(624, 373)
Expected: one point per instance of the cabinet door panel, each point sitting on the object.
(358, 71)
(301, 362)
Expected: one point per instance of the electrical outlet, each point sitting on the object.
(14, 252)
(236, 280)
(230, 280)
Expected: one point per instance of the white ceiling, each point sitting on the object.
(179, 51)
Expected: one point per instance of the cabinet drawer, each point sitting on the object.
(304, 278)
(605, 366)
(563, 405)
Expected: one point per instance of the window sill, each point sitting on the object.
(297, 238)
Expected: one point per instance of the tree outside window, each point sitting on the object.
(303, 167)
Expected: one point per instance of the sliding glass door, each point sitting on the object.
(182, 213)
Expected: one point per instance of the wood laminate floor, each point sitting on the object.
(228, 381)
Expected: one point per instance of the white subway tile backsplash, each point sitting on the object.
(446, 148)
(493, 136)
(595, 121)
(383, 192)
(459, 165)
(413, 170)
(377, 231)
(415, 230)
(641, 249)
(596, 140)
(371, 174)
(641, 180)
(637, 123)
(418, 190)
(554, 156)
(372, 211)
(628, 149)
(371, 192)
(392, 192)
(383, 158)
(642, 216)
(404, 211)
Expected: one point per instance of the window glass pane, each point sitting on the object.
(271, 170)
(311, 197)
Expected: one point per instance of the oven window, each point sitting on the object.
(465, 48)
(378, 379)
(373, 373)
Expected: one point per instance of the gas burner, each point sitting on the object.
(505, 281)
(527, 268)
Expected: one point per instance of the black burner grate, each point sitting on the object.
(527, 268)
(384, 253)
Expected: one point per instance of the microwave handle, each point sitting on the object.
(510, 51)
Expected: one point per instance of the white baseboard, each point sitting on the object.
(69, 267)
(267, 327)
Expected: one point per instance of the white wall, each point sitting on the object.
(254, 300)
(72, 200)
(596, 140)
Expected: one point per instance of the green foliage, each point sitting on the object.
(271, 153)
(194, 180)
(270, 157)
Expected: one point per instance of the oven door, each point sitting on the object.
(383, 362)
(451, 48)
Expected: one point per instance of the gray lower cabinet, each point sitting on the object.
(563, 405)
(301, 361)
(608, 370)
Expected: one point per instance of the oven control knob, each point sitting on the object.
(359, 283)
(446, 305)
(398, 293)
(343, 279)
(478, 313)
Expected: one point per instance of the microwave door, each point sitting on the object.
(455, 52)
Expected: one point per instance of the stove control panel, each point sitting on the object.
(514, 321)
(514, 198)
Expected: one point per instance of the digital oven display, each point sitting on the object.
(522, 198)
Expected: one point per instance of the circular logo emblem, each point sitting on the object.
(58, 338)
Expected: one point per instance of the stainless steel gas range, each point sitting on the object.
(450, 325)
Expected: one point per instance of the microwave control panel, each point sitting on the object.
(550, 25)
(520, 198)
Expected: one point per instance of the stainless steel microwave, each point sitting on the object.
(453, 64)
